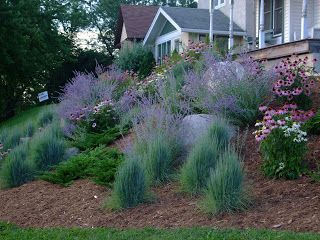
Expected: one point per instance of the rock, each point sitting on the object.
(193, 127)
(223, 69)
(70, 152)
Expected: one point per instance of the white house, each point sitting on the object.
(282, 21)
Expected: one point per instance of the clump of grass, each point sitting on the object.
(15, 169)
(99, 164)
(47, 148)
(12, 140)
(204, 156)
(45, 117)
(225, 191)
(221, 131)
(201, 160)
(29, 129)
(158, 159)
(130, 187)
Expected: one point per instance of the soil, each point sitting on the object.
(278, 204)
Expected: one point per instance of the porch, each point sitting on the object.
(302, 48)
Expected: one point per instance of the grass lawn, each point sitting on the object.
(22, 117)
(8, 231)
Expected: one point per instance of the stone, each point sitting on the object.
(223, 69)
(192, 128)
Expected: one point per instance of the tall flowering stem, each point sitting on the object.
(294, 79)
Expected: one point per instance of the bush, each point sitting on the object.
(136, 58)
(45, 117)
(229, 88)
(225, 190)
(282, 156)
(99, 164)
(47, 148)
(204, 156)
(84, 140)
(130, 187)
(15, 169)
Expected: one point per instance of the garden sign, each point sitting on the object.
(43, 96)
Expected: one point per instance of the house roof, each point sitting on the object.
(195, 18)
(191, 20)
(137, 20)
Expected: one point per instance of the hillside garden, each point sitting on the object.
(204, 140)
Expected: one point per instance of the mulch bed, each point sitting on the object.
(278, 204)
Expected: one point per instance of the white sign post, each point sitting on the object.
(43, 96)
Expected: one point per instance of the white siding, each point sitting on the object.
(123, 33)
(203, 4)
(316, 15)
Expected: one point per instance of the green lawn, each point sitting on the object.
(8, 232)
(22, 117)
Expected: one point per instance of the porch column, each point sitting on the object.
(304, 23)
(230, 42)
(211, 8)
(261, 29)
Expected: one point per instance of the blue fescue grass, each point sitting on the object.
(225, 190)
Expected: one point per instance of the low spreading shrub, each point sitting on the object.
(130, 187)
(99, 164)
(225, 190)
(86, 140)
(47, 148)
(15, 169)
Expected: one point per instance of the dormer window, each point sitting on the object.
(219, 3)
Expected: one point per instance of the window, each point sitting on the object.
(218, 3)
(177, 45)
(164, 49)
(278, 17)
(273, 16)
(202, 37)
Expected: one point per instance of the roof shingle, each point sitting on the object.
(137, 19)
(195, 18)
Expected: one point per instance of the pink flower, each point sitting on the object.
(263, 108)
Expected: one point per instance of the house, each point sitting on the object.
(286, 27)
(174, 27)
(133, 23)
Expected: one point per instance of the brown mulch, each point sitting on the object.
(278, 204)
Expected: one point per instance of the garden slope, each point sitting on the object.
(291, 205)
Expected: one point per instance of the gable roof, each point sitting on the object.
(192, 20)
(195, 18)
(137, 20)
